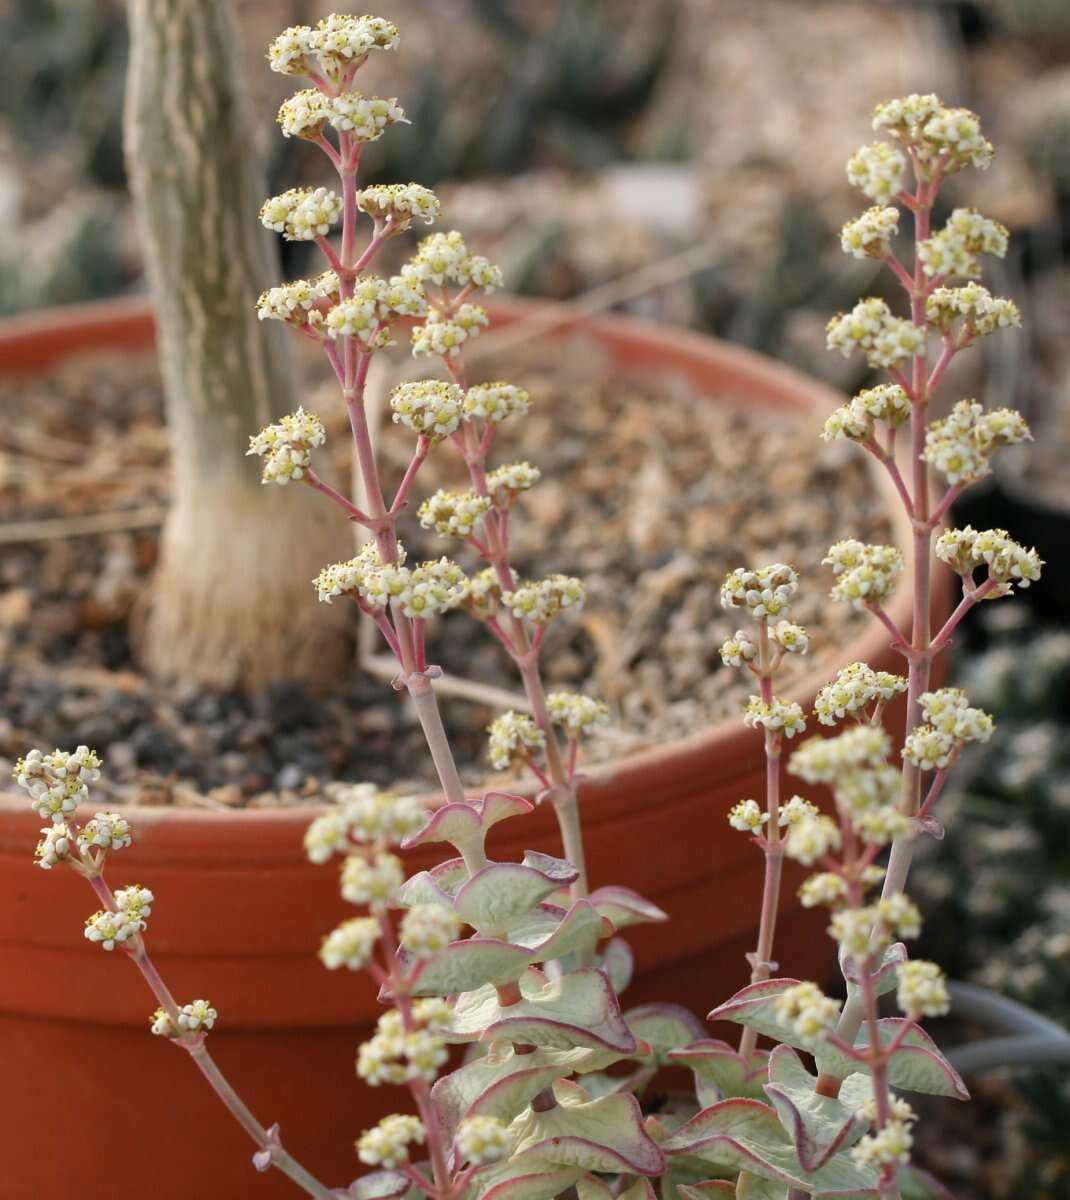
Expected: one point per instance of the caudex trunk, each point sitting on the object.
(232, 604)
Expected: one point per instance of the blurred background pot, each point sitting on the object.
(241, 912)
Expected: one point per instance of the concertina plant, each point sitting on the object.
(520, 962)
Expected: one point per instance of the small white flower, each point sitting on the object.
(58, 782)
(304, 114)
(747, 816)
(810, 1012)
(870, 235)
(495, 401)
(453, 514)
(580, 715)
(351, 944)
(738, 649)
(400, 204)
(107, 830)
(795, 810)
(779, 716)
(428, 406)
(791, 638)
(513, 735)
(812, 838)
(111, 929)
(765, 593)
(196, 1017)
(482, 1140)
(826, 888)
(542, 600)
(854, 929)
(887, 1146)
(922, 990)
(364, 118)
(371, 881)
(54, 847)
(878, 170)
(927, 748)
(387, 1145)
(867, 573)
(135, 901)
(286, 447)
(302, 214)
(855, 687)
(428, 928)
(505, 483)
(899, 915)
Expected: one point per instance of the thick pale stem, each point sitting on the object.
(426, 706)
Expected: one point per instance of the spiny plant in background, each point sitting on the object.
(556, 1095)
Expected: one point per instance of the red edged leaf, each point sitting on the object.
(709, 1187)
(625, 907)
(917, 1066)
(666, 1027)
(755, 1007)
(720, 1072)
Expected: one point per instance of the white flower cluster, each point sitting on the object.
(387, 1145)
(513, 735)
(286, 447)
(482, 1140)
(364, 118)
(373, 304)
(110, 929)
(543, 599)
(954, 250)
(396, 1056)
(424, 591)
(444, 258)
(861, 931)
(888, 1146)
(738, 649)
(106, 830)
(982, 312)
(506, 482)
(961, 444)
(350, 945)
(428, 928)
(950, 138)
(855, 687)
(951, 723)
(886, 402)
(765, 593)
(749, 818)
(482, 594)
(1008, 562)
(197, 1017)
(922, 990)
(810, 1012)
(870, 235)
(866, 573)
(366, 816)
(791, 638)
(496, 401)
(54, 847)
(454, 514)
(371, 880)
(302, 214)
(304, 114)
(399, 203)
(580, 715)
(443, 336)
(871, 327)
(778, 716)
(812, 838)
(58, 782)
(877, 170)
(337, 43)
(428, 406)
(825, 889)
(300, 302)
(136, 901)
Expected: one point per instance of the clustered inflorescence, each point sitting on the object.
(519, 961)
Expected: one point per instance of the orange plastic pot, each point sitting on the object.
(240, 912)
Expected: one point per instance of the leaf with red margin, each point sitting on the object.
(666, 1027)
(557, 868)
(578, 1009)
(720, 1072)
(754, 1187)
(755, 1007)
(437, 886)
(618, 962)
(499, 894)
(378, 1185)
(917, 1066)
(606, 1134)
(465, 823)
(512, 1180)
(885, 977)
(625, 907)
(747, 1135)
(462, 966)
(709, 1187)
(817, 1125)
(642, 1189)
(580, 928)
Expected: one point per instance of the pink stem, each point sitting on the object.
(423, 445)
(965, 604)
(355, 514)
(950, 496)
(897, 637)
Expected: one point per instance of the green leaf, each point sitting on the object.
(642, 1189)
(666, 1027)
(465, 823)
(624, 907)
(511, 1180)
(590, 1187)
(499, 894)
(754, 1187)
(501, 1084)
(746, 1134)
(381, 1185)
(917, 1066)
(755, 1007)
(437, 886)
(702, 1191)
(462, 966)
(606, 1134)
(618, 962)
(886, 976)
(720, 1072)
(580, 928)
(916, 1184)
(817, 1125)
(578, 1009)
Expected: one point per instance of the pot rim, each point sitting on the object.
(45, 337)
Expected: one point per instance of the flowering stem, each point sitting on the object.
(423, 701)
(950, 496)
(965, 604)
(761, 964)
(423, 445)
(267, 1143)
(351, 510)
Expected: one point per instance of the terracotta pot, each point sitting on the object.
(240, 912)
